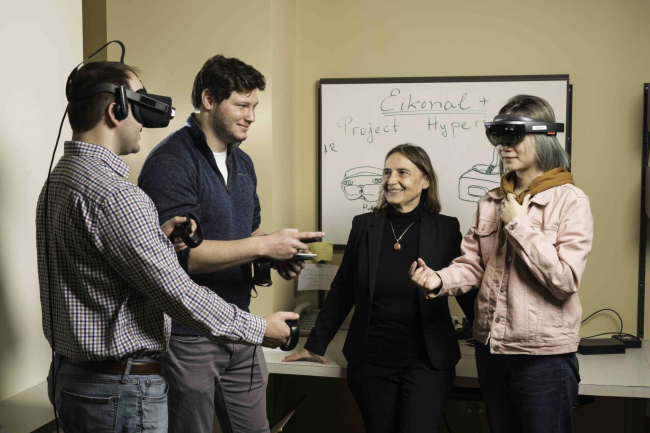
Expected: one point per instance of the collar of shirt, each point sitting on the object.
(80, 148)
(199, 135)
(541, 198)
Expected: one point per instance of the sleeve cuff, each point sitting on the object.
(441, 290)
(313, 348)
(256, 326)
(517, 224)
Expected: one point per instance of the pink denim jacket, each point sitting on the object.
(527, 301)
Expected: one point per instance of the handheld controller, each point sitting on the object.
(293, 339)
(184, 231)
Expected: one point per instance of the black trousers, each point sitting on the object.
(400, 399)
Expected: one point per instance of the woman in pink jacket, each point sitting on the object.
(525, 253)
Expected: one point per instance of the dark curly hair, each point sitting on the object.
(222, 76)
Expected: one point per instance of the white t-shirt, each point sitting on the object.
(220, 158)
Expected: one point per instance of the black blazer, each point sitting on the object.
(354, 285)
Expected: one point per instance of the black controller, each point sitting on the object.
(310, 240)
(184, 231)
(293, 339)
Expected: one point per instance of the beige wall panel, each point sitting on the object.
(283, 98)
(42, 42)
(170, 41)
(94, 28)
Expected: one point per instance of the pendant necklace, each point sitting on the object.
(397, 246)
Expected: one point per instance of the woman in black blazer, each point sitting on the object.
(401, 349)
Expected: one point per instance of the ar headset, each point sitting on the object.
(152, 111)
(510, 129)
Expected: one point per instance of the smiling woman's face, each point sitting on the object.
(520, 157)
(403, 183)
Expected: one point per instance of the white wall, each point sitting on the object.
(41, 43)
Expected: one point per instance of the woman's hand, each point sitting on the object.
(425, 278)
(511, 209)
(169, 226)
(306, 355)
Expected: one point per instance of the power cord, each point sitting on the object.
(447, 423)
(607, 333)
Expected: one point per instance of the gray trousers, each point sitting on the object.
(207, 379)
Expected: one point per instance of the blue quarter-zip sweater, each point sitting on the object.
(180, 175)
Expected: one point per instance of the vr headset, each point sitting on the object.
(152, 111)
(509, 129)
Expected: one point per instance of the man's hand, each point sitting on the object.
(168, 228)
(290, 269)
(511, 209)
(277, 332)
(283, 244)
(425, 278)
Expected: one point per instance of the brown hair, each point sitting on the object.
(420, 158)
(224, 75)
(86, 113)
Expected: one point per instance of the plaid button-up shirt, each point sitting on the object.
(113, 271)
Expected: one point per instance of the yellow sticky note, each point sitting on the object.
(323, 251)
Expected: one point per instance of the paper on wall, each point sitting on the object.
(317, 277)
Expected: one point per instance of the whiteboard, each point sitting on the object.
(362, 119)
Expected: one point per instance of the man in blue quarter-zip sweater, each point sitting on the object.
(201, 170)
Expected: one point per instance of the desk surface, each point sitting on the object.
(624, 375)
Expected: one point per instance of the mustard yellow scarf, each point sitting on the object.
(550, 179)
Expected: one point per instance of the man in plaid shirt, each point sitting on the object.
(112, 274)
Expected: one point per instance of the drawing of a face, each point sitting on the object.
(362, 183)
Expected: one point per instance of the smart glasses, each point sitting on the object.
(509, 129)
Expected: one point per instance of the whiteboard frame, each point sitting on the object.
(458, 79)
(645, 213)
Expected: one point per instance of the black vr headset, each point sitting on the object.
(152, 111)
(509, 129)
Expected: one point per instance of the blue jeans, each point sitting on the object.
(88, 401)
(528, 393)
